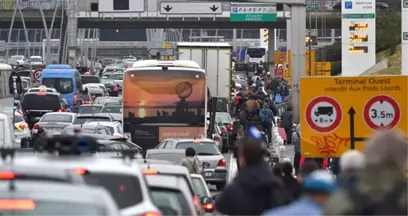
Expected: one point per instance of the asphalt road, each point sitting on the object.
(232, 166)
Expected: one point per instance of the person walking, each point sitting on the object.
(290, 182)
(317, 188)
(191, 162)
(254, 189)
(287, 123)
(296, 141)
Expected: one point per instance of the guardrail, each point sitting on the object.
(9, 5)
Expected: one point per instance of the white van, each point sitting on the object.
(6, 132)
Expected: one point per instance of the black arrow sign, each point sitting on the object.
(353, 139)
(168, 8)
(214, 8)
(351, 113)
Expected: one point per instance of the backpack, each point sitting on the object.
(363, 205)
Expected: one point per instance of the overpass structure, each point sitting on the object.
(150, 17)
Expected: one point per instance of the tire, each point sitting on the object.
(220, 186)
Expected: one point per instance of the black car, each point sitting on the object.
(36, 104)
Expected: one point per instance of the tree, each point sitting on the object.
(388, 30)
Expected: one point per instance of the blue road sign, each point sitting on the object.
(234, 9)
(348, 5)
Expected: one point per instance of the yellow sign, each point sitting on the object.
(318, 68)
(280, 57)
(340, 113)
(323, 73)
(167, 46)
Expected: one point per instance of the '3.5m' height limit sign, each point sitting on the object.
(340, 113)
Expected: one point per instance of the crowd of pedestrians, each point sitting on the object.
(372, 182)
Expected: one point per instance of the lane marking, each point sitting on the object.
(232, 170)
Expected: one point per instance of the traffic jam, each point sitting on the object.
(117, 141)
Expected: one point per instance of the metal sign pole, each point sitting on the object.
(9, 33)
(26, 35)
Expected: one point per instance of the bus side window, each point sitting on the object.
(78, 81)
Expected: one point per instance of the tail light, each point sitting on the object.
(75, 99)
(222, 163)
(59, 110)
(151, 214)
(7, 175)
(80, 171)
(12, 204)
(36, 126)
(195, 201)
(87, 102)
(229, 127)
(223, 130)
(208, 207)
(93, 96)
(23, 125)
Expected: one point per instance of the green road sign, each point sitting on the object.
(253, 14)
(358, 16)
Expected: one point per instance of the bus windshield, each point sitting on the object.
(164, 96)
(62, 85)
(256, 52)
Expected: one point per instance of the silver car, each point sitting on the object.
(117, 78)
(54, 122)
(52, 198)
(213, 162)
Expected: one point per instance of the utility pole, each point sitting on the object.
(309, 40)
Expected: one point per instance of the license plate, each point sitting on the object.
(207, 174)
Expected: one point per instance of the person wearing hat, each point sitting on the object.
(316, 190)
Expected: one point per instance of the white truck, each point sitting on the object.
(215, 59)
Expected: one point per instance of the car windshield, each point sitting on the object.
(111, 110)
(89, 109)
(125, 189)
(18, 118)
(37, 90)
(199, 187)
(82, 120)
(116, 77)
(62, 85)
(56, 118)
(171, 157)
(89, 79)
(17, 57)
(41, 102)
(224, 117)
(106, 100)
(170, 202)
(24, 73)
(201, 148)
(35, 59)
(48, 207)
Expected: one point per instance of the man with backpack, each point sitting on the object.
(267, 119)
(254, 189)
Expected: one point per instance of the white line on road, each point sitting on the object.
(232, 170)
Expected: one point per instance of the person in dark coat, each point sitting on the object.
(287, 123)
(254, 189)
(290, 182)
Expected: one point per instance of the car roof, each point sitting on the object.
(95, 89)
(90, 105)
(90, 163)
(165, 168)
(191, 139)
(61, 113)
(36, 93)
(94, 115)
(52, 190)
(43, 171)
(155, 151)
(103, 123)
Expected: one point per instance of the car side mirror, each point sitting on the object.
(206, 200)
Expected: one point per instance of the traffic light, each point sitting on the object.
(279, 7)
(265, 35)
